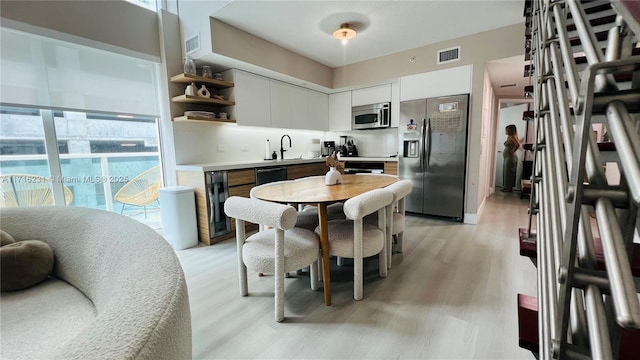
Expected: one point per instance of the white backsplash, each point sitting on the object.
(197, 143)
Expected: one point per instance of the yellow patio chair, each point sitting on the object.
(142, 190)
(28, 190)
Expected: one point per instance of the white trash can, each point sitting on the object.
(178, 214)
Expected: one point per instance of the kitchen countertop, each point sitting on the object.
(234, 165)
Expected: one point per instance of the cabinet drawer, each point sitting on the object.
(391, 167)
(242, 190)
(241, 177)
(303, 170)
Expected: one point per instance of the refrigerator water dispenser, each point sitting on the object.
(410, 149)
(411, 145)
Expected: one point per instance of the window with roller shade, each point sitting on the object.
(85, 118)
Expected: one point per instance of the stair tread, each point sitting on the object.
(528, 246)
(635, 263)
(527, 243)
(528, 322)
(528, 330)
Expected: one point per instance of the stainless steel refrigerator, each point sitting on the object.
(433, 154)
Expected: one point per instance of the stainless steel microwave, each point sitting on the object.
(372, 116)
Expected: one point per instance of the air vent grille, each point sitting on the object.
(449, 55)
(192, 44)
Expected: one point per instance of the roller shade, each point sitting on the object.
(49, 73)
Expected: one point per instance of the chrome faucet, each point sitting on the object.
(282, 150)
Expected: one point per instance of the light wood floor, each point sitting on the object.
(450, 295)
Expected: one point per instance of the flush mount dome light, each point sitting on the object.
(344, 33)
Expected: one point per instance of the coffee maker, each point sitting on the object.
(351, 149)
(348, 147)
(328, 147)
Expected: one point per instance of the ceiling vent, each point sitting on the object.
(449, 55)
(192, 44)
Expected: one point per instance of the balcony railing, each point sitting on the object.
(92, 178)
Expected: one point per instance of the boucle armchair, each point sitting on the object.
(117, 290)
(278, 250)
(357, 239)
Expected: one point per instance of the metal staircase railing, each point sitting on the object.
(581, 310)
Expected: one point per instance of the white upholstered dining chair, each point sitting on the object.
(308, 214)
(400, 191)
(357, 239)
(278, 250)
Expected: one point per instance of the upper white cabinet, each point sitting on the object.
(299, 108)
(317, 112)
(265, 102)
(371, 95)
(445, 82)
(281, 104)
(294, 107)
(252, 94)
(395, 104)
(340, 111)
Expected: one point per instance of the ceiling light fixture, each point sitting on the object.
(344, 33)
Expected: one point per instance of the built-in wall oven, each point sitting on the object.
(218, 191)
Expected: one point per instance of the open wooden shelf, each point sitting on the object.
(209, 102)
(201, 100)
(204, 119)
(188, 79)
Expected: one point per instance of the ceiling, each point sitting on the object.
(383, 27)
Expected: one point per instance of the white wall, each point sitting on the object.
(486, 141)
(197, 143)
(116, 26)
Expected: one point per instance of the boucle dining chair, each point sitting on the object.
(277, 250)
(400, 191)
(357, 239)
(305, 220)
(308, 214)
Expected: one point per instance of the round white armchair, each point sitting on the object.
(117, 290)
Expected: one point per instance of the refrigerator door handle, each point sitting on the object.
(427, 142)
(422, 144)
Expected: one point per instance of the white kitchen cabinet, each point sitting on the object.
(281, 111)
(395, 104)
(299, 107)
(371, 95)
(253, 100)
(445, 82)
(289, 109)
(317, 112)
(340, 111)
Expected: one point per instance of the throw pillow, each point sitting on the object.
(5, 238)
(24, 264)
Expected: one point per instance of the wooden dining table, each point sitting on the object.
(313, 191)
